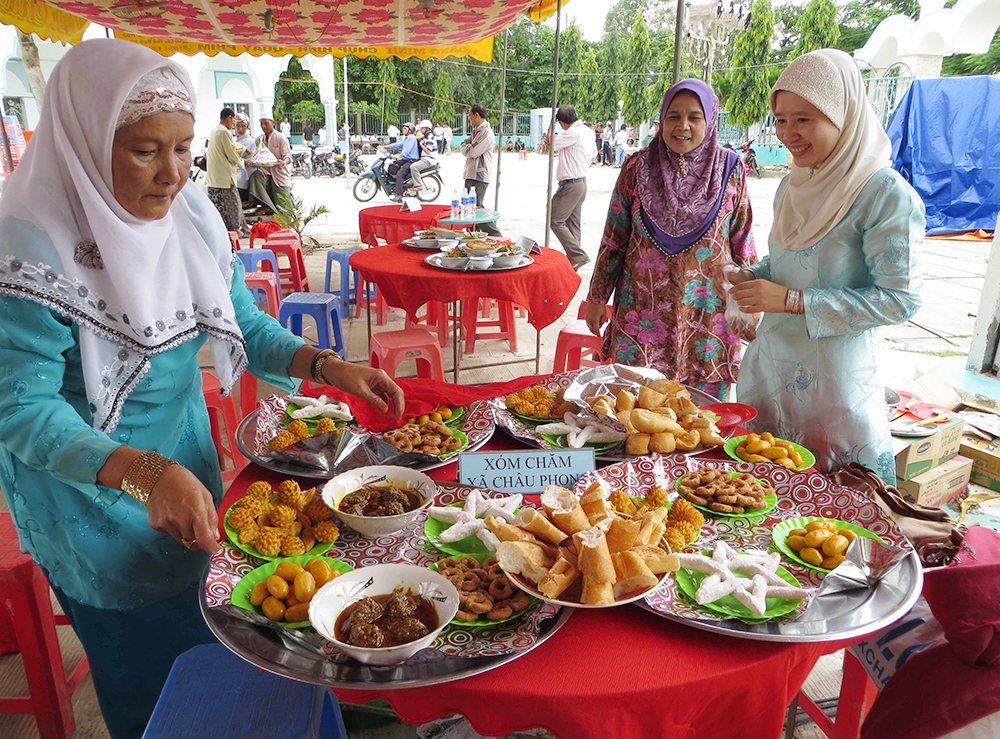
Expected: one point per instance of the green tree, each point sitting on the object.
(858, 18)
(289, 90)
(571, 46)
(817, 27)
(306, 111)
(590, 85)
(440, 109)
(965, 64)
(748, 95)
(635, 91)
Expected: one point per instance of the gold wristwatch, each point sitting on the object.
(317, 365)
(143, 474)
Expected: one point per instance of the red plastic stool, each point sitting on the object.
(268, 282)
(389, 348)
(263, 229)
(294, 276)
(224, 410)
(857, 694)
(575, 340)
(24, 592)
(234, 240)
(507, 329)
(248, 393)
(435, 318)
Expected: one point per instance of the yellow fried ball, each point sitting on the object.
(252, 504)
(299, 428)
(292, 546)
(240, 518)
(290, 494)
(268, 543)
(682, 510)
(285, 438)
(318, 511)
(325, 425)
(657, 497)
(282, 515)
(259, 489)
(675, 539)
(687, 529)
(621, 502)
(249, 533)
(326, 531)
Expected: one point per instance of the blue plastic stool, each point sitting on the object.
(346, 293)
(213, 694)
(251, 258)
(324, 308)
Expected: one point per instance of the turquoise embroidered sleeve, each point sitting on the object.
(37, 424)
(892, 237)
(269, 346)
(761, 269)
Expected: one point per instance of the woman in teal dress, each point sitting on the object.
(843, 261)
(114, 272)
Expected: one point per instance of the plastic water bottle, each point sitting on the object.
(470, 207)
(465, 203)
(456, 204)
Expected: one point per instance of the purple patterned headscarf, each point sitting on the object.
(681, 208)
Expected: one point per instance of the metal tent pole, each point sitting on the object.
(552, 123)
(503, 105)
(678, 35)
(347, 133)
(7, 156)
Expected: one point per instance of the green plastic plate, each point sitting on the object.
(470, 545)
(688, 583)
(240, 596)
(318, 548)
(475, 624)
(808, 458)
(771, 500)
(779, 536)
(559, 440)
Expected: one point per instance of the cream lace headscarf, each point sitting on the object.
(136, 288)
(817, 198)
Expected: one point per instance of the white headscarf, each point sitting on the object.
(139, 288)
(817, 198)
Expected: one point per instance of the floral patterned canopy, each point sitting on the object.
(422, 28)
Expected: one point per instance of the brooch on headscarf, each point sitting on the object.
(682, 163)
(88, 255)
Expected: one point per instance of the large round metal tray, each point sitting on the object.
(248, 426)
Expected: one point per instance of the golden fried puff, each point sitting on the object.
(240, 518)
(292, 546)
(318, 511)
(326, 531)
(299, 428)
(285, 438)
(268, 543)
(259, 489)
(325, 425)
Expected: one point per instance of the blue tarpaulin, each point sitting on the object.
(946, 142)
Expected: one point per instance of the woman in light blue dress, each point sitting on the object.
(843, 261)
(114, 272)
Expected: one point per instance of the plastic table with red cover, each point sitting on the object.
(392, 224)
(617, 672)
(545, 288)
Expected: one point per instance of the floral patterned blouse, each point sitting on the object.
(669, 311)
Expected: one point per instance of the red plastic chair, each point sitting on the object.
(575, 340)
(24, 592)
(248, 394)
(389, 348)
(507, 328)
(434, 319)
(234, 240)
(293, 277)
(268, 282)
(857, 694)
(223, 410)
(263, 229)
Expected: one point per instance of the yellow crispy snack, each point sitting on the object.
(326, 531)
(249, 533)
(657, 497)
(620, 501)
(299, 428)
(285, 438)
(259, 489)
(318, 511)
(325, 425)
(268, 543)
(240, 518)
(682, 510)
(282, 515)
(252, 504)
(292, 546)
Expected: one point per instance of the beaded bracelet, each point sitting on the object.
(319, 360)
(143, 474)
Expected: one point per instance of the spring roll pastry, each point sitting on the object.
(506, 532)
(652, 521)
(622, 534)
(596, 565)
(564, 509)
(633, 574)
(563, 574)
(524, 558)
(595, 502)
(657, 560)
(532, 521)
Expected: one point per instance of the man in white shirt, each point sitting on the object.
(576, 148)
(448, 135)
(322, 136)
(393, 132)
(286, 129)
(621, 139)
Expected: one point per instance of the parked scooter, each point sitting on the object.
(748, 157)
(378, 177)
(302, 163)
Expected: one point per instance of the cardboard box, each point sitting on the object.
(916, 455)
(985, 456)
(939, 485)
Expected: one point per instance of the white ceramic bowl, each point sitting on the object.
(507, 260)
(447, 243)
(373, 526)
(480, 262)
(452, 262)
(424, 243)
(487, 251)
(331, 600)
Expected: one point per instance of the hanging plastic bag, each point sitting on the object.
(742, 324)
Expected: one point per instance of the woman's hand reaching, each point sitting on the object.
(181, 507)
(371, 385)
(759, 296)
(597, 314)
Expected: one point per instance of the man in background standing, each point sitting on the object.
(478, 152)
(448, 136)
(392, 132)
(224, 156)
(653, 132)
(307, 134)
(439, 137)
(410, 153)
(244, 139)
(322, 136)
(576, 149)
(606, 138)
(286, 129)
(621, 138)
(269, 184)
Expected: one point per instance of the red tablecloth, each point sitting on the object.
(544, 288)
(391, 224)
(619, 672)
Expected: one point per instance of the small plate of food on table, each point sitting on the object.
(817, 543)
(538, 404)
(286, 522)
(281, 590)
(727, 493)
(767, 448)
(487, 597)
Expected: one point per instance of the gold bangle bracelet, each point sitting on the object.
(143, 474)
(318, 362)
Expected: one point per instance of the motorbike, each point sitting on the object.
(302, 163)
(378, 177)
(748, 158)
